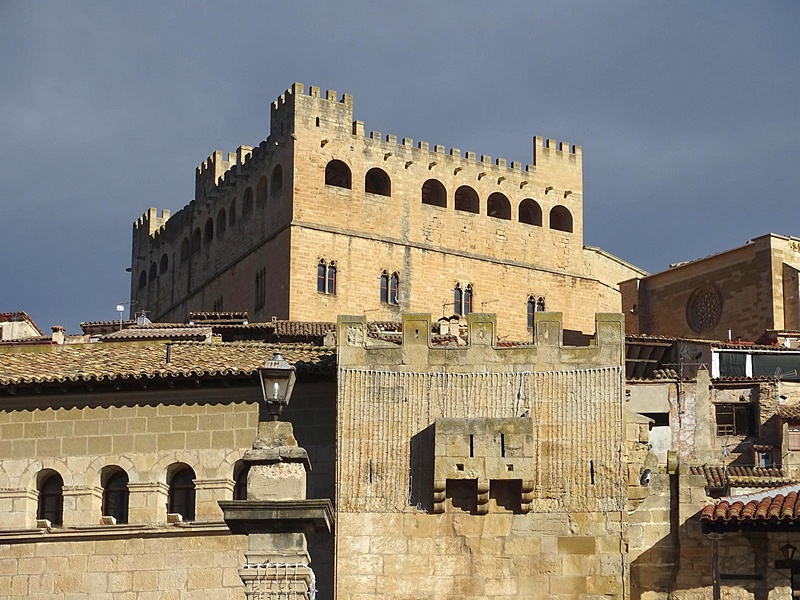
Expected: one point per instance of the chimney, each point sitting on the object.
(58, 334)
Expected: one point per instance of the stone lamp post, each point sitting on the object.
(276, 515)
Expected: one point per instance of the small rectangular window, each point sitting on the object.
(735, 419)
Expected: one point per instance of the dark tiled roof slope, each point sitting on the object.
(160, 333)
(106, 361)
(720, 477)
(789, 412)
(303, 329)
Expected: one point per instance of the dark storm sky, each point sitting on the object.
(687, 113)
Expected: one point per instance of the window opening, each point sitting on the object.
(458, 300)
(735, 419)
(182, 494)
(434, 193)
(337, 174)
(540, 304)
(153, 271)
(142, 279)
(209, 231)
(466, 200)
(502, 445)
(471, 445)
(277, 180)
(331, 278)
(531, 311)
(377, 181)
(184, 250)
(498, 206)
(384, 287)
(240, 483)
(261, 192)
(116, 496)
(51, 499)
(196, 240)
(222, 221)
(321, 269)
(468, 300)
(561, 219)
(164, 264)
(247, 203)
(394, 289)
(530, 212)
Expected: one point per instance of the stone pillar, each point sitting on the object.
(82, 505)
(147, 502)
(276, 516)
(207, 494)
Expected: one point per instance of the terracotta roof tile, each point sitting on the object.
(197, 334)
(791, 411)
(721, 477)
(107, 361)
(775, 508)
(311, 329)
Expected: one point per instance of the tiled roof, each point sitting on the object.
(106, 361)
(791, 411)
(303, 329)
(721, 477)
(774, 507)
(197, 334)
(21, 315)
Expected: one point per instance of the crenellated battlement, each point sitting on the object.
(217, 167)
(151, 223)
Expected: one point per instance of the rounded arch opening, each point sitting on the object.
(530, 212)
(222, 221)
(164, 264)
(498, 206)
(184, 250)
(247, 203)
(467, 200)
(153, 271)
(114, 481)
(377, 181)
(240, 471)
(142, 279)
(337, 174)
(208, 232)
(434, 193)
(50, 506)
(561, 219)
(181, 498)
(197, 238)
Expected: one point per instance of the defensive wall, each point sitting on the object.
(481, 471)
(320, 189)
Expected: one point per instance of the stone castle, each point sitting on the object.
(321, 219)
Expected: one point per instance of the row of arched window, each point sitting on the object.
(466, 199)
(155, 271)
(114, 481)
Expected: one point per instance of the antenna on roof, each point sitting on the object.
(121, 309)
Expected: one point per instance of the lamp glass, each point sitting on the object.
(788, 551)
(277, 382)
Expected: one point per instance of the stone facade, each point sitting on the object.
(483, 472)
(744, 291)
(319, 193)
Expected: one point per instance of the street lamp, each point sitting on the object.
(277, 381)
(788, 551)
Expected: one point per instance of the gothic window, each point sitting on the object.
(530, 212)
(468, 300)
(321, 269)
(467, 200)
(434, 193)
(394, 289)
(331, 285)
(182, 493)
(196, 240)
(261, 193)
(531, 310)
(337, 174)
(458, 300)
(51, 498)
(540, 304)
(498, 206)
(240, 481)
(153, 271)
(561, 219)
(385, 287)
(115, 495)
(222, 221)
(184, 250)
(164, 264)
(232, 213)
(142, 279)
(377, 182)
(247, 203)
(277, 180)
(208, 235)
(261, 288)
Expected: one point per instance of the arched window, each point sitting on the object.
(247, 203)
(458, 300)
(467, 200)
(385, 287)
(51, 498)
(434, 193)
(184, 250)
(277, 180)
(321, 270)
(181, 493)
(377, 181)
(232, 213)
(261, 193)
(240, 481)
(222, 221)
(153, 271)
(394, 289)
(468, 300)
(115, 494)
(498, 206)
(164, 264)
(331, 287)
(337, 174)
(540, 304)
(196, 240)
(142, 279)
(561, 219)
(530, 212)
(208, 234)
(531, 310)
